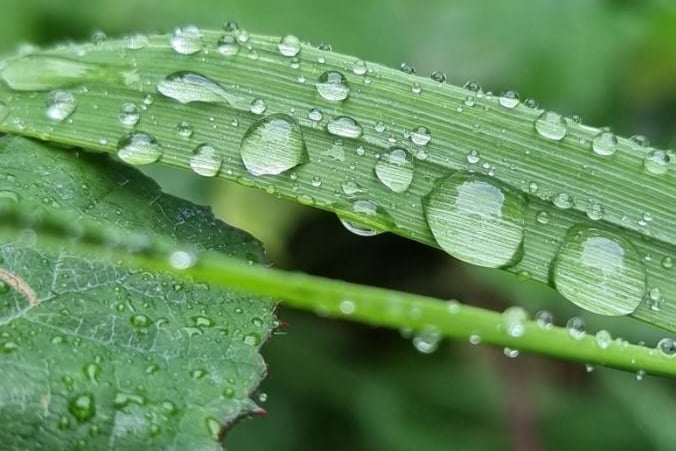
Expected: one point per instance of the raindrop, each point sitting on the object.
(599, 271)
(60, 105)
(186, 87)
(347, 307)
(603, 339)
(345, 127)
(315, 115)
(365, 208)
(511, 353)
(551, 125)
(129, 114)
(427, 340)
(228, 46)
(258, 106)
(140, 321)
(473, 157)
(186, 40)
(184, 129)
(509, 99)
(182, 259)
(563, 201)
(407, 68)
(92, 371)
(575, 328)
(667, 347)
(421, 136)
(138, 149)
(544, 319)
(82, 407)
(359, 67)
(655, 299)
(542, 217)
(439, 77)
(640, 375)
(395, 170)
(137, 41)
(514, 321)
(333, 86)
(289, 45)
(657, 162)
(205, 160)
(667, 262)
(476, 219)
(416, 88)
(273, 145)
(604, 143)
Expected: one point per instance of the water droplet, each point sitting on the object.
(181, 259)
(365, 208)
(140, 321)
(205, 160)
(407, 68)
(9, 347)
(129, 114)
(600, 272)
(273, 145)
(289, 45)
(333, 86)
(347, 306)
(184, 129)
(187, 40)
(258, 106)
(416, 88)
(359, 67)
(137, 41)
(514, 321)
(657, 162)
(92, 371)
(251, 339)
(667, 347)
(228, 45)
(640, 375)
(476, 219)
(594, 210)
(138, 148)
(604, 143)
(563, 201)
(60, 105)
(124, 399)
(395, 170)
(345, 127)
(542, 217)
(475, 339)
(667, 262)
(82, 407)
(186, 87)
(315, 115)
(551, 125)
(439, 77)
(351, 188)
(544, 319)
(576, 329)
(511, 352)
(472, 86)
(421, 136)
(427, 340)
(655, 299)
(509, 99)
(473, 157)
(603, 339)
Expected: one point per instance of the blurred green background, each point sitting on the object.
(333, 385)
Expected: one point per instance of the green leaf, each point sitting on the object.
(98, 355)
(552, 199)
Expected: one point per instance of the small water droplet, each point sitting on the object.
(140, 321)
(359, 67)
(186, 87)
(333, 86)
(184, 129)
(395, 170)
(407, 68)
(347, 306)
(600, 272)
(289, 45)
(667, 262)
(657, 162)
(421, 136)
(345, 127)
(509, 99)
(365, 208)
(476, 219)
(551, 125)
(181, 259)
(667, 347)
(137, 41)
(315, 115)
(576, 328)
(427, 340)
(92, 371)
(544, 319)
(439, 77)
(186, 40)
(473, 157)
(273, 145)
(640, 375)
(205, 160)
(514, 321)
(129, 114)
(563, 201)
(124, 399)
(604, 143)
(82, 407)
(511, 352)
(603, 339)
(138, 148)
(228, 45)
(542, 217)
(258, 106)
(60, 105)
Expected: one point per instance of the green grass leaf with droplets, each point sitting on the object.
(97, 355)
(489, 179)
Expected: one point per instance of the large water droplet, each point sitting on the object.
(551, 125)
(289, 45)
(187, 87)
(60, 105)
(187, 40)
(205, 160)
(600, 272)
(477, 219)
(395, 170)
(345, 127)
(139, 148)
(333, 86)
(273, 145)
(604, 143)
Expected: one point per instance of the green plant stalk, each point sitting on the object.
(327, 297)
(509, 147)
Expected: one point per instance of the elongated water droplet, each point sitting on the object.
(139, 148)
(657, 162)
(186, 87)
(477, 219)
(600, 272)
(289, 45)
(205, 160)
(273, 145)
(333, 86)
(395, 170)
(551, 125)
(345, 127)
(60, 105)
(43, 73)
(604, 143)
(187, 40)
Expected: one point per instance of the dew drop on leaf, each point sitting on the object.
(187, 40)
(364, 208)
(333, 86)
(139, 148)
(551, 125)
(657, 162)
(476, 219)
(544, 319)
(345, 127)
(514, 321)
(599, 271)
(129, 114)
(186, 87)
(60, 105)
(395, 170)
(421, 136)
(603, 339)
(604, 143)
(289, 45)
(576, 328)
(205, 160)
(667, 347)
(272, 145)
(509, 99)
